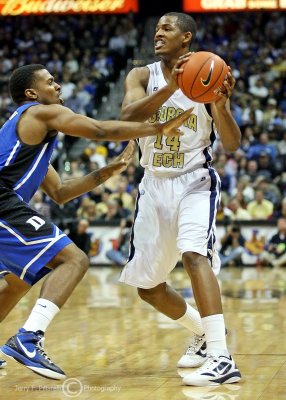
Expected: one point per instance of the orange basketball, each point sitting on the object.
(202, 76)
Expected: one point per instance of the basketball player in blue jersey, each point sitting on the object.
(178, 199)
(31, 247)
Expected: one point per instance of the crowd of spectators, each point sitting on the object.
(254, 177)
(256, 250)
(83, 52)
(86, 52)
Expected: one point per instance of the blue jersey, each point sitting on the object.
(23, 167)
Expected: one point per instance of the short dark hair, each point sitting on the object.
(21, 79)
(185, 22)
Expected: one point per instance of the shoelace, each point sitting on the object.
(208, 364)
(193, 346)
(40, 347)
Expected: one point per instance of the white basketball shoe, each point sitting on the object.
(196, 353)
(215, 371)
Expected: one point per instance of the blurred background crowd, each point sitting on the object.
(89, 55)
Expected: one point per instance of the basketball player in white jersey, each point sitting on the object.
(178, 199)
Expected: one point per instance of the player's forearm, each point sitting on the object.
(144, 108)
(81, 126)
(73, 188)
(121, 130)
(229, 131)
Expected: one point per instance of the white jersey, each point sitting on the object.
(173, 156)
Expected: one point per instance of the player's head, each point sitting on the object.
(34, 83)
(174, 34)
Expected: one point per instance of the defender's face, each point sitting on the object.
(47, 90)
(168, 37)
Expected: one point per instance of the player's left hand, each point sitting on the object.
(120, 163)
(225, 92)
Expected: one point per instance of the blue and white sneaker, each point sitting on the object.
(27, 348)
(2, 363)
(196, 353)
(215, 371)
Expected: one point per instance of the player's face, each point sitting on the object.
(168, 37)
(47, 90)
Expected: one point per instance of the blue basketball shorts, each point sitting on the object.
(28, 240)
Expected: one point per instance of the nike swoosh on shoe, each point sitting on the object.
(30, 354)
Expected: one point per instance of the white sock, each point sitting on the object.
(41, 316)
(214, 328)
(192, 320)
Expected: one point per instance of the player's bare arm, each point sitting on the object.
(39, 120)
(227, 127)
(137, 106)
(63, 191)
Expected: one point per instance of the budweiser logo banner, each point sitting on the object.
(26, 7)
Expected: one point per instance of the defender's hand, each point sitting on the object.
(171, 128)
(121, 162)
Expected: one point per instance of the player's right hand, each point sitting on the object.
(171, 127)
(177, 69)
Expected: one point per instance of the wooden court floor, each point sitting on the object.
(113, 346)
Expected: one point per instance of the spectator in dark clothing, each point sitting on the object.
(114, 213)
(80, 236)
(38, 204)
(266, 167)
(60, 213)
(232, 246)
(275, 252)
(252, 170)
(119, 254)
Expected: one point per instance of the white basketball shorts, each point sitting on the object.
(172, 216)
